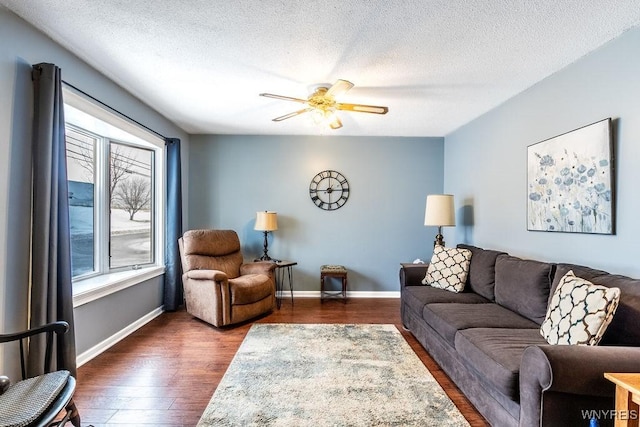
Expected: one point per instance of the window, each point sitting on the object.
(114, 174)
(82, 197)
(131, 205)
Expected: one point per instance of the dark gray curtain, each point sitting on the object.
(172, 276)
(51, 292)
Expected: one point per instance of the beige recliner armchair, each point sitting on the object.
(218, 287)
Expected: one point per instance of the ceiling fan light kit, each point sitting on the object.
(323, 105)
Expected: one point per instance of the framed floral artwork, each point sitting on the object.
(570, 182)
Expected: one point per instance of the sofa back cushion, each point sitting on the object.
(523, 286)
(586, 273)
(482, 271)
(579, 312)
(623, 329)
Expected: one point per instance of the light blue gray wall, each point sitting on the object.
(486, 160)
(381, 225)
(20, 47)
(107, 318)
(15, 178)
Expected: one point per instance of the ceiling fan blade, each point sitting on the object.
(336, 123)
(375, 109)
(288, 116)
(340, 87)
(285, 98)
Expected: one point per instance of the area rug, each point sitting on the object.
(328, 375)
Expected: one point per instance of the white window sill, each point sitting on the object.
(85, 291)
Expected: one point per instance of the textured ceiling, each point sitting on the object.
(437, 64)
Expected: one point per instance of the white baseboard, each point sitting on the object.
(350, 294)
(86, 356)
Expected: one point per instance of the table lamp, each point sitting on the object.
(266, 221)
(439, 212)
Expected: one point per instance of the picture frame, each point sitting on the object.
(570, 182)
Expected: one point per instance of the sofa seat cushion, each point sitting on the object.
(495, 353)
(250, 288)
(417, 297)
(448, 319)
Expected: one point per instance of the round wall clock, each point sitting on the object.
(329, 190)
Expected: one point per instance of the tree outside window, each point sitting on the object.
(116, 178)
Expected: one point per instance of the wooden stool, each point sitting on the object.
(339, 272)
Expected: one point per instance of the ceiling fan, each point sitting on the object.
(323, 105)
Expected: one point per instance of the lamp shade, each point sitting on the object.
(439, 210)
(266, 221)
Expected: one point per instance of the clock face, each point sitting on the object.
(329, 190)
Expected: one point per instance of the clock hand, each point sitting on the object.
(330, 190)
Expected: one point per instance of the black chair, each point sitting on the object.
(45, 400)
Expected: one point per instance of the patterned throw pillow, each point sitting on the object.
(579, 312)
(448, 269)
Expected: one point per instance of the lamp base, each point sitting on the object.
(265, 256)
(439, 240)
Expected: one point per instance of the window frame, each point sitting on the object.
(97, 201)
(107, 223)
(105, 280)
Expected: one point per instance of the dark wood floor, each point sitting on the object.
(165, 373)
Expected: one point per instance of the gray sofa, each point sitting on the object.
(487, 340)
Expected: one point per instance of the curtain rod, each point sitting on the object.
(114, 110)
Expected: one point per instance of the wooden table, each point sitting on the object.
(627, 398)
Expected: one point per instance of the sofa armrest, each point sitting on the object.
(569, 369)
(258, 267)
(215, 275)
(577, 369)
(412, 274)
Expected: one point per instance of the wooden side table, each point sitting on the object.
(339, 272)
(627, 398)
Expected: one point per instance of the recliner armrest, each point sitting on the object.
(258, 267)
(215, 275)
